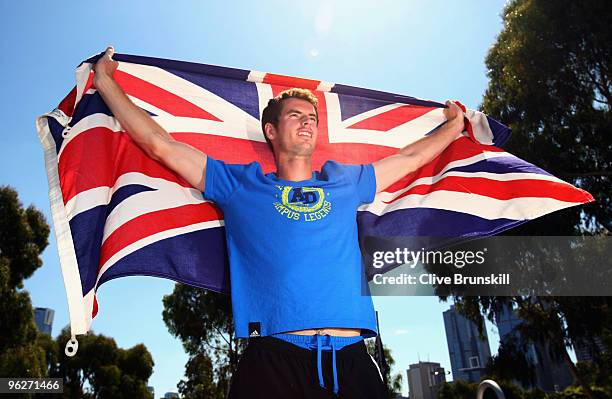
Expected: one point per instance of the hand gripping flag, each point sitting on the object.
(117, 212)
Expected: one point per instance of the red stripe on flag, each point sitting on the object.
(229, 149)
(461, 148)
(233, 150)
(94, 311)
(160, 98)
(88, 85)
(290, 81)
(467, 125)
(392, 118)
(156, 222)
(501, 190)
(98, 156)
(67, 104)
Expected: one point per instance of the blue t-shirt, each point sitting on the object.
(293, 248)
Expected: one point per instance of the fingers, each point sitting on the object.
(451, 102)
(110, 50)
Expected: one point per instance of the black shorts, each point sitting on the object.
(272, 368)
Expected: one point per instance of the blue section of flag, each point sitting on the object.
(56, 132)
(501, 165)
(124, 193)
(501, 132)
(383, 96)
(90, 104)
(240, 93)
(174, 257)
(351, 105)
(87, 241)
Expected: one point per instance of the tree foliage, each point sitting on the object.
(394, 382)
(511, 363)
(101, 370)
(23, 237)
(549, 80)
(203, 322)
(200, 379)
(457, 390)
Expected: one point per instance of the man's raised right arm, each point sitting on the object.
(185, 160)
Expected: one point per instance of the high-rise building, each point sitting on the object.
(44, 319)
(171, 395)
(550, 374)
(425, 380)
(586, 352)
(469, 354)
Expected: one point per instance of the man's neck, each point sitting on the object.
(293, 168)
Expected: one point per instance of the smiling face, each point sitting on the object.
(296, 131)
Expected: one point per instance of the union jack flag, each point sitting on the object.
(117, 212)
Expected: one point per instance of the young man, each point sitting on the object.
(295, 265)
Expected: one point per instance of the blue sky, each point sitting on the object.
(433, 50)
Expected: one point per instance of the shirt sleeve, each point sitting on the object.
(364, 179)
(222, 180)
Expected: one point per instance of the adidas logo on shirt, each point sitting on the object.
(254, 329)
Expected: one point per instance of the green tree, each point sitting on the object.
(23, 237)
(549, 80)
(457, 390)
(202, 320)
(200, 379)
(102, 370)
(394, 383)
(510, 364)
(597, 372)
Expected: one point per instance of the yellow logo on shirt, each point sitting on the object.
(306, 203)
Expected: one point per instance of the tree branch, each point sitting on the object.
(222, 335)
(212, 346)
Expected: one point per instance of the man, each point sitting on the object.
(296, 273)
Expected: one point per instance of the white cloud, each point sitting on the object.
(401, 331)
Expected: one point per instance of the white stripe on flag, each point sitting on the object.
(524, 208)
(87, 123)
(91, 198)
(171, 196)
(397, 137)
(155, 238)
(193, 93)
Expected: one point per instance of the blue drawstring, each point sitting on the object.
(336, 388)
(320, 368)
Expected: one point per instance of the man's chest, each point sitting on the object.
(293, 205)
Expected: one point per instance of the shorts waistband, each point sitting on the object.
(310, 341)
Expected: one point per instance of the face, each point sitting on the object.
(297, 130)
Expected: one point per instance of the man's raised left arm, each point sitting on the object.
(410, 158)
